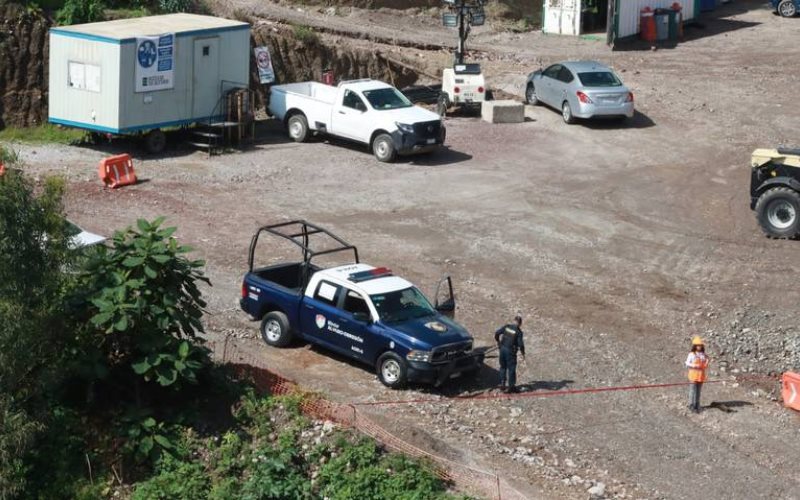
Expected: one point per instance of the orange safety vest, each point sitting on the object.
(697, 370)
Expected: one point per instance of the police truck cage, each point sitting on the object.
(300, 232)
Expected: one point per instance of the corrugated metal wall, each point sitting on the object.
(69, 104)
(629, 12)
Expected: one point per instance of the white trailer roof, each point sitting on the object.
(126, 29)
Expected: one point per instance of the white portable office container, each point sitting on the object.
(143, 74)
(612, 19)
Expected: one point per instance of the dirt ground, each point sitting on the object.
(617, 242)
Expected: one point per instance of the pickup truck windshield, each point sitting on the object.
(388, 98)
(402, 305)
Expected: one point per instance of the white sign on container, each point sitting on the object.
(155, 62)
(264, 63)
(84, 76)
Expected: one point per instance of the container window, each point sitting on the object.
(206, 50)
(84, 76)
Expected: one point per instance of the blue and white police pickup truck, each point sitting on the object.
(366, 111)
(356, 310)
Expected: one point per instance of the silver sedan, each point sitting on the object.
(580, 89)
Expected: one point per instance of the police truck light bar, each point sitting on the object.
(378, 272)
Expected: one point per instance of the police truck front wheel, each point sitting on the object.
(778, 212)
(392, 370)
(275, 329)
(383, 148)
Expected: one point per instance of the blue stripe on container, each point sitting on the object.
(127, 130)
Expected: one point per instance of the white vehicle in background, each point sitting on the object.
(463, 86)
(366, 111)
(82, 239)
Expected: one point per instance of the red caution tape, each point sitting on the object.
(520, 395)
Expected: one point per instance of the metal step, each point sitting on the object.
(224, 124)
(212, 135)
(203, 145)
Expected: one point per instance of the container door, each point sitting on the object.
(562, 17)
(206, 83)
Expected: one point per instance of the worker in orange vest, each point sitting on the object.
(697, 362)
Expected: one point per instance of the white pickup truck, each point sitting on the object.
(366, 111)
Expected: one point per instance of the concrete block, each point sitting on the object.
(503, 111)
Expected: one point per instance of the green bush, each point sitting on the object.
(362, 471)
(80, 11)
(145, 302)
(305, 33)
(175, 5)
(9, 155)
(176, 479)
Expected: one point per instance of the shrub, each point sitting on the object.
(145, 302)
(177, 479)
(80, 11)
(305, 33)
(175, 5)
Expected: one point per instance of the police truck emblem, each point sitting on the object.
(430, 128)
(320, 319)
(436, 326)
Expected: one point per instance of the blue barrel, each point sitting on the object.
(662, 24)
(707, 5)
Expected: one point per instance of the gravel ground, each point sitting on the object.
(617, 242)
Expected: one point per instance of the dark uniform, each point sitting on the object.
(509, 340)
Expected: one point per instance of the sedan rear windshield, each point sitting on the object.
(387, 98)
(599, 79)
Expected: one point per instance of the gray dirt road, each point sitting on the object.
(617, 242)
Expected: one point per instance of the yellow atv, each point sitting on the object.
(775, 191)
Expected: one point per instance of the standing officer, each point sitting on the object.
(696, 362)
(509, 341)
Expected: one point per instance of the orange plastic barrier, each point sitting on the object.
(791, 390)
(117, 171)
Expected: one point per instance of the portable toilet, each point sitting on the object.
(140, 75)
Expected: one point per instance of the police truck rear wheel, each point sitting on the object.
(297, 125)
(275, 329)
(383, 148)
(778, 212)
(787, 8)
(392, 370)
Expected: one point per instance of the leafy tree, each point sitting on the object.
(146, 304)
(34, 246)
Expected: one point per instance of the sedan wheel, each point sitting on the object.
(566, 113)
(530, 95)
(787, 8)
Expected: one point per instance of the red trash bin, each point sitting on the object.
(647, 25)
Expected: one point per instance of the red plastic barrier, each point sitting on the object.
(2, 168)
(647, 25)
(791, 390)
(117, 171)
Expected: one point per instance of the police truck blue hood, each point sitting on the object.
(426, 331)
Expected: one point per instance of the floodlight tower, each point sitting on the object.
(462, 85)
